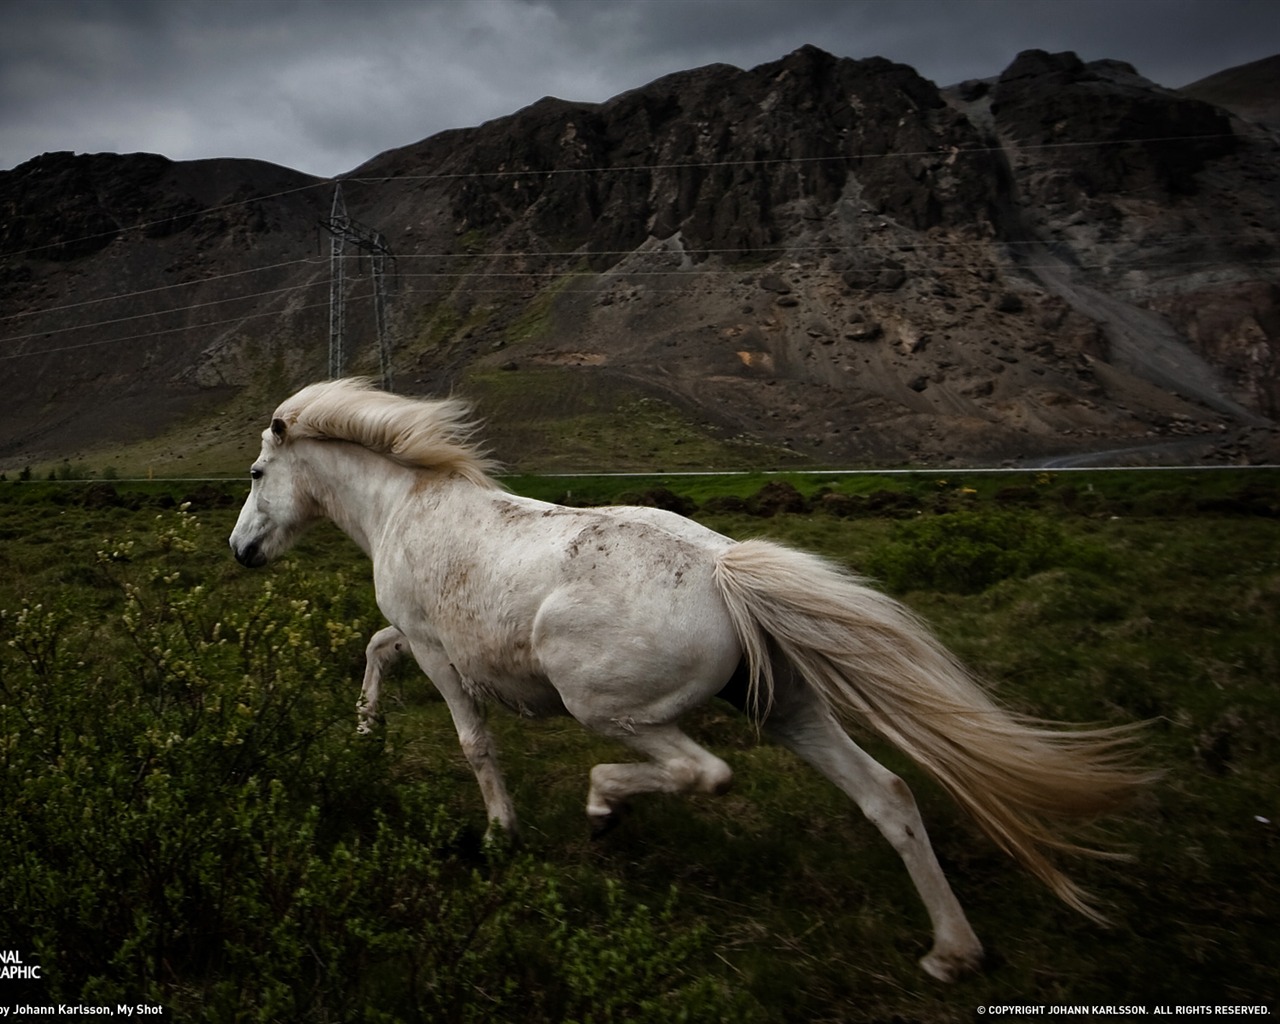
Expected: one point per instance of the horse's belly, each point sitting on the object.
(528, 697)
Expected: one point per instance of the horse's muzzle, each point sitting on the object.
(250, 556)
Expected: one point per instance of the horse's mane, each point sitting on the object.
(423, 433)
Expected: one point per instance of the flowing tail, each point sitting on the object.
(869, 657)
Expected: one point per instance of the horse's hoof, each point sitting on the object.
(603, 824)
(499, 839)
(950, 967)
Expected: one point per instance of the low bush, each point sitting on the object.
(187, 816)
(966, 552)
(190, 819)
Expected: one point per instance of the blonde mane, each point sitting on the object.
(422, 433)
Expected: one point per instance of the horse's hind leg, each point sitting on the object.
(808, 729)
(384, 648)
(677, 765)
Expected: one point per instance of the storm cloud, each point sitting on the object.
(323, 85)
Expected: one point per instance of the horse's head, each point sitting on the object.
(278, 506)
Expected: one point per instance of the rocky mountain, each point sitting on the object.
(818, 260)
(1250, 91)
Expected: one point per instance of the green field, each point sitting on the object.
(188, 817)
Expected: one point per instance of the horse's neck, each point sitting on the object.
(357, 489)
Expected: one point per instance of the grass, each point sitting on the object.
(561, 420)
(1161, 603)
(545, 419)
(536, 320)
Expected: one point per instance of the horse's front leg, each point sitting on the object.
(473, 734)
(386, 645)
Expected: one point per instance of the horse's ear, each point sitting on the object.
(278, 427)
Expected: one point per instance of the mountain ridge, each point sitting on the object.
(1250, 91)
(815, 261)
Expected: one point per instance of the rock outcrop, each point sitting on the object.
(831, 259)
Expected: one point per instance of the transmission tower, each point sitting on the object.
(345, 230)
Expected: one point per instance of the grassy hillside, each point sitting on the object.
(541, 419)
(188, 818)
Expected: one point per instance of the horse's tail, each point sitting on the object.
(869, 657)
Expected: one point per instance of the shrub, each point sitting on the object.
(776, 497)
(966, 552)
(187, 817)
(659, 497)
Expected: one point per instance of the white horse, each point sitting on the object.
(626, 618)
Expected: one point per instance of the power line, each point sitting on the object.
(150, 334)
(941, 151)
(143, 225)
(310, 306)
(161, 312)
(372, 242)
(158, 288)
(635, 168)
(462, 276)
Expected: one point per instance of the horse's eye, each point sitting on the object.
(255, 473)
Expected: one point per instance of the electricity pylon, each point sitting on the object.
(345, 230)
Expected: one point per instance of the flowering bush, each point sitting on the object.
(189, 818)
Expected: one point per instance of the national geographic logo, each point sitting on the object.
(13, 969)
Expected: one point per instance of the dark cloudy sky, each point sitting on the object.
(323, 85)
